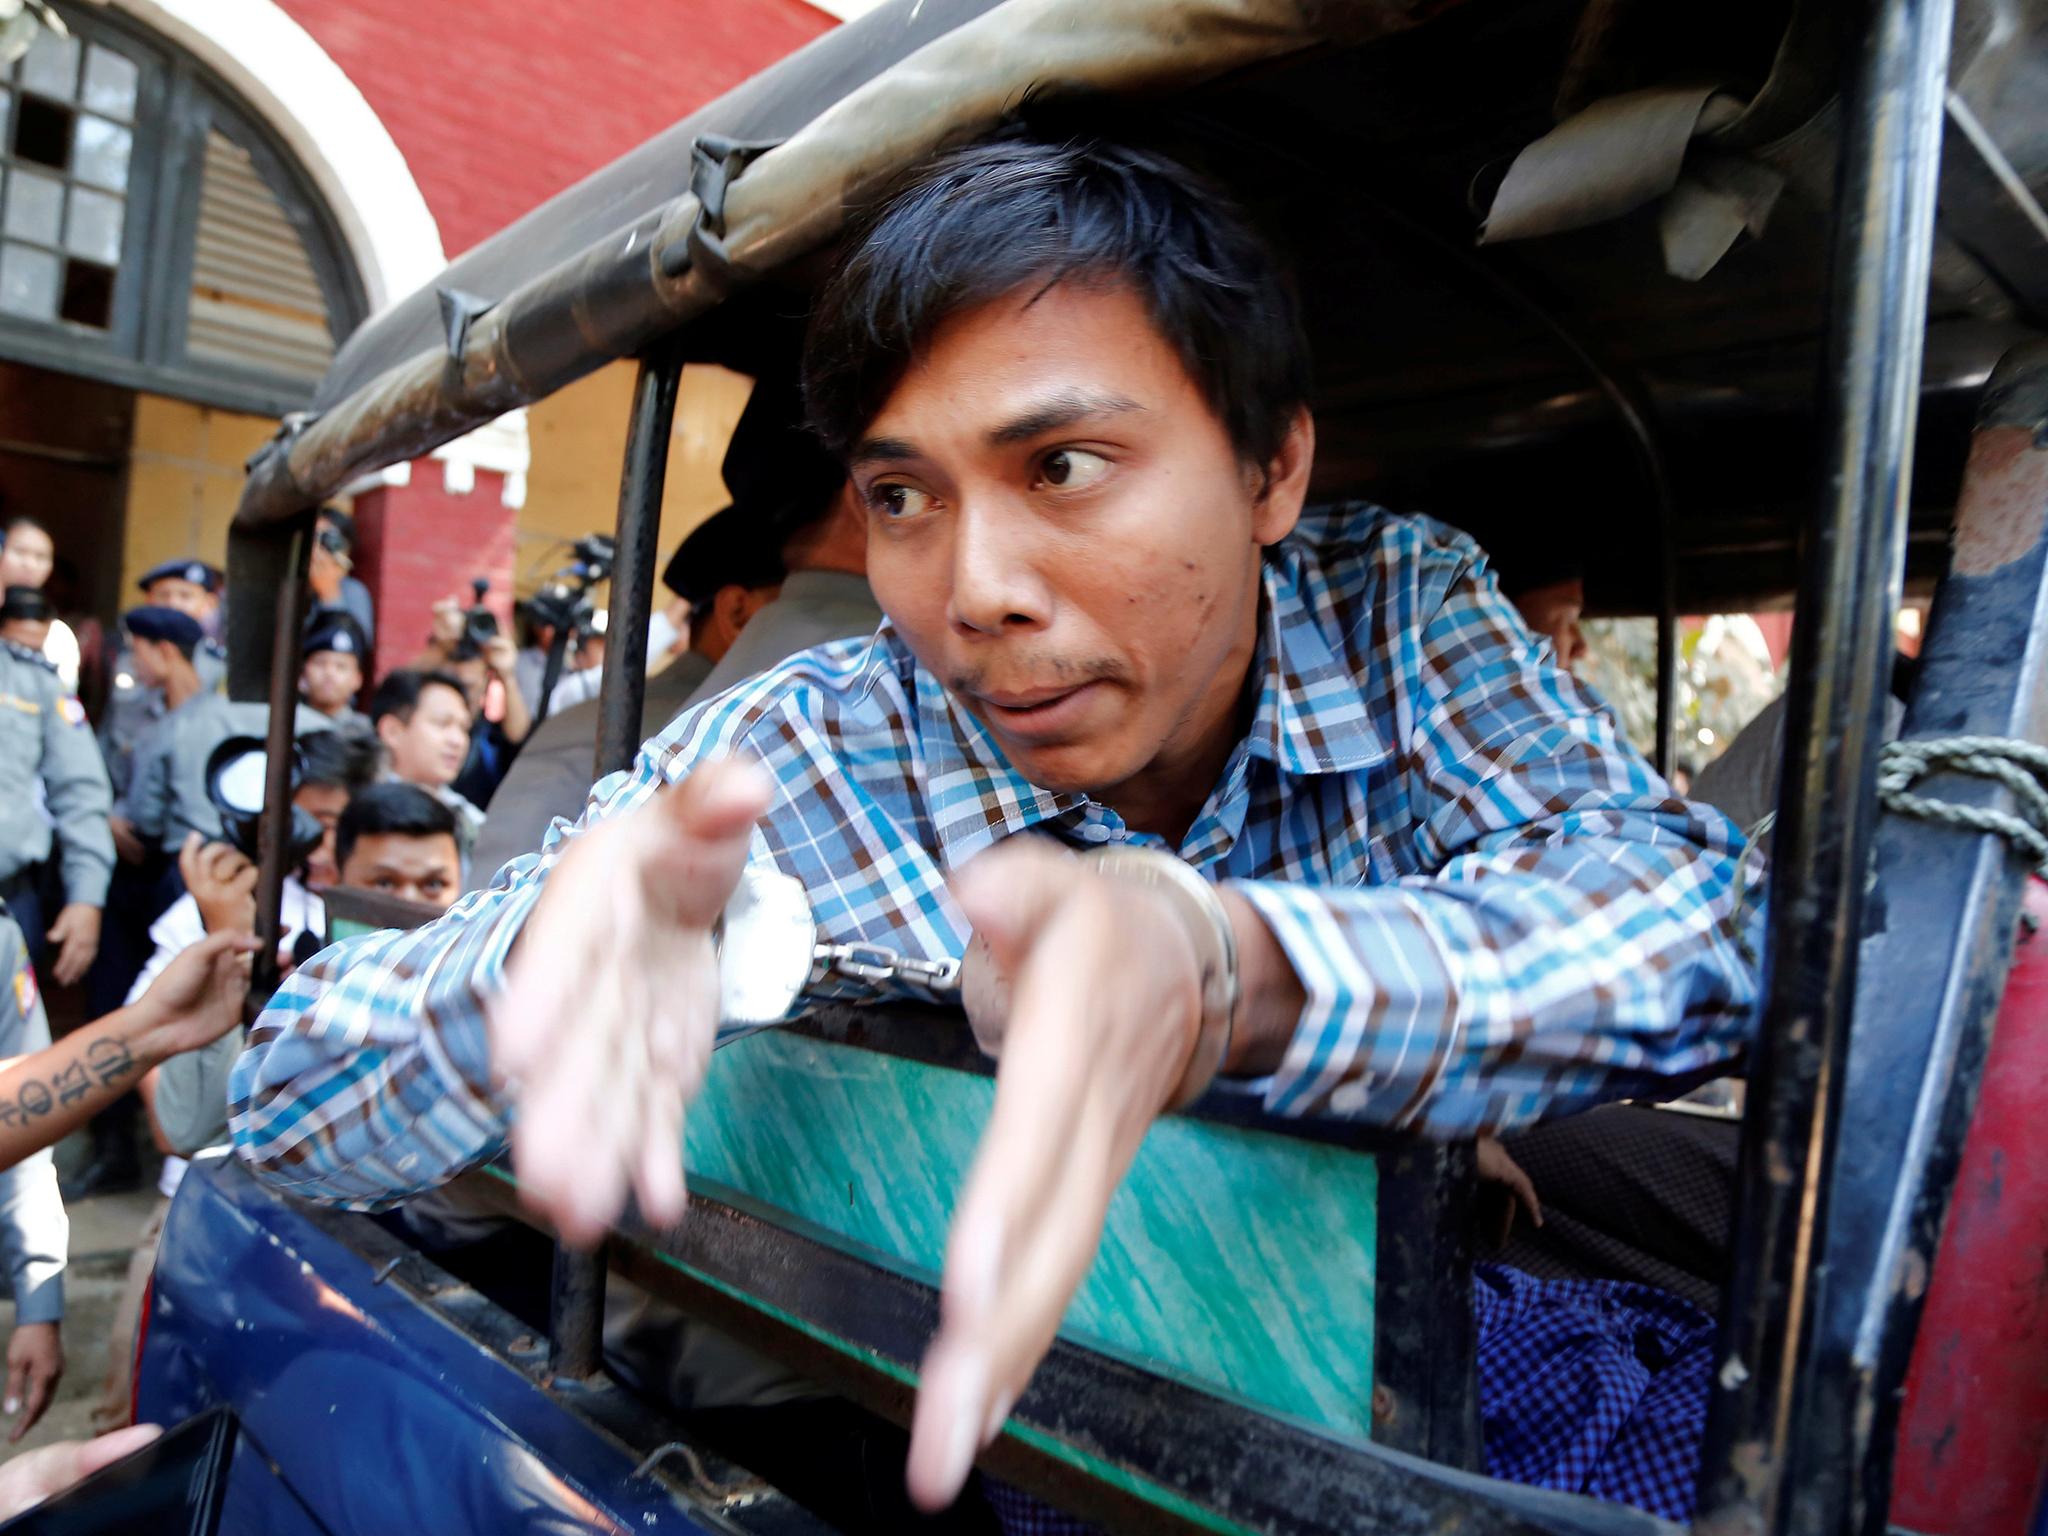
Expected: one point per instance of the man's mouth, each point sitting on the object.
(1037, 714)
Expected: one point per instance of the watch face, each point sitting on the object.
(764, 948)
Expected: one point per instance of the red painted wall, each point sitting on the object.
(499, 104)
(416, 544)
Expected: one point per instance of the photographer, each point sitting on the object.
(467, 644)
(337, 592)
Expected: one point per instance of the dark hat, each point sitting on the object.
(198, 572)
(25, 603)
(728, 549)
(774, 468)
(181, 629)
(339, 632)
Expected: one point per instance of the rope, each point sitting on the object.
(2020, 766)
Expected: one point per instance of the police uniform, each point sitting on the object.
(34, 1231)
(131, 708)
(44, 739)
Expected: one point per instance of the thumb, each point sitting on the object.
(706, 822)
(1011, 891)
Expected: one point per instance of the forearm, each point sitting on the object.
(368, 1078)
(1513, 984)
(518, 719)
(46, 1095)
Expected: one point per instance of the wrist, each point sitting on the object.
(1272, 996)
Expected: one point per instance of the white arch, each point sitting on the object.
(336, 137)
(311, 104)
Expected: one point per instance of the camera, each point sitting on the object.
(479, 624)
(236, 773)
(564, 603)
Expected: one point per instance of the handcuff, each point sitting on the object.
(768, 948)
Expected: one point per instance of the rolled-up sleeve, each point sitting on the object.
(367, 1079)
(1574, 931)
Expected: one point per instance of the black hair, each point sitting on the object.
(1018, 212)
(337, 759)
(399, 693)
(22, 520)
(403, 809)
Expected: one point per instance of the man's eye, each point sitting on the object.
(1071, 468)
(895, 501)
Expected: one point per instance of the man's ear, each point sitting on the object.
(389, 728)
(1279, 505)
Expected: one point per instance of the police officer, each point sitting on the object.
(336, 652)
(35, 1234)
(45, 741)
(192, 587)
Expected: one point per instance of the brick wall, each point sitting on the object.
(499, 104)
(418, 543)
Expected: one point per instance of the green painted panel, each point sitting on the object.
(1241, 1261)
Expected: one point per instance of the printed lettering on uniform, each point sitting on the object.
(16, 701)
(25, 988)
(70, 711)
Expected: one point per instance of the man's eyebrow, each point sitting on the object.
(1063, 409)
(871, 449)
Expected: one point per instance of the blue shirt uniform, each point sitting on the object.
(35, 1234)
(44, 738)
(1496, 907)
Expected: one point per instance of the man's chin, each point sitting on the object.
(1069, 767)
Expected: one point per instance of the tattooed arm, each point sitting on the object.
(196, 1000)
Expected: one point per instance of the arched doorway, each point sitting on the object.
(171, 281)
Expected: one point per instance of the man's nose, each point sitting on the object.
(997, 580)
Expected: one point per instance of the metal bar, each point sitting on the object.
(576, 1302)
(1842, 655)
(1425, 1376)
(1934, 968)
(287, 614)
(638, 534)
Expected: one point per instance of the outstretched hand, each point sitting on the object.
(198, 997)
(610, 1007)
(1104, 1008)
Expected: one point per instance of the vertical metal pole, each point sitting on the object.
(1842, 655)
(577, 1302)
(288, 613)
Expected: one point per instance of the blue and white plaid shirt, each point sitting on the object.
(1497, 908)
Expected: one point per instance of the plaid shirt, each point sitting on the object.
(1496, 907)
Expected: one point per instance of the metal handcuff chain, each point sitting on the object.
(768, 946)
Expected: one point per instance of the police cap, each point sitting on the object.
(336, 632)
(181, 629)
(198, 572)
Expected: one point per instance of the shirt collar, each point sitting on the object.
(1310, 718)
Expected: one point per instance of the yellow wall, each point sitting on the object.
(184, 475)
(185, 471)
(578, 438)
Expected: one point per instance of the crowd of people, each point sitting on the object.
(1210, 669)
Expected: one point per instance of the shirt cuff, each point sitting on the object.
(41, 1302)
(1380, 1022)
(86, 881)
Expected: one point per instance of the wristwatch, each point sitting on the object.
(1195, 902)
